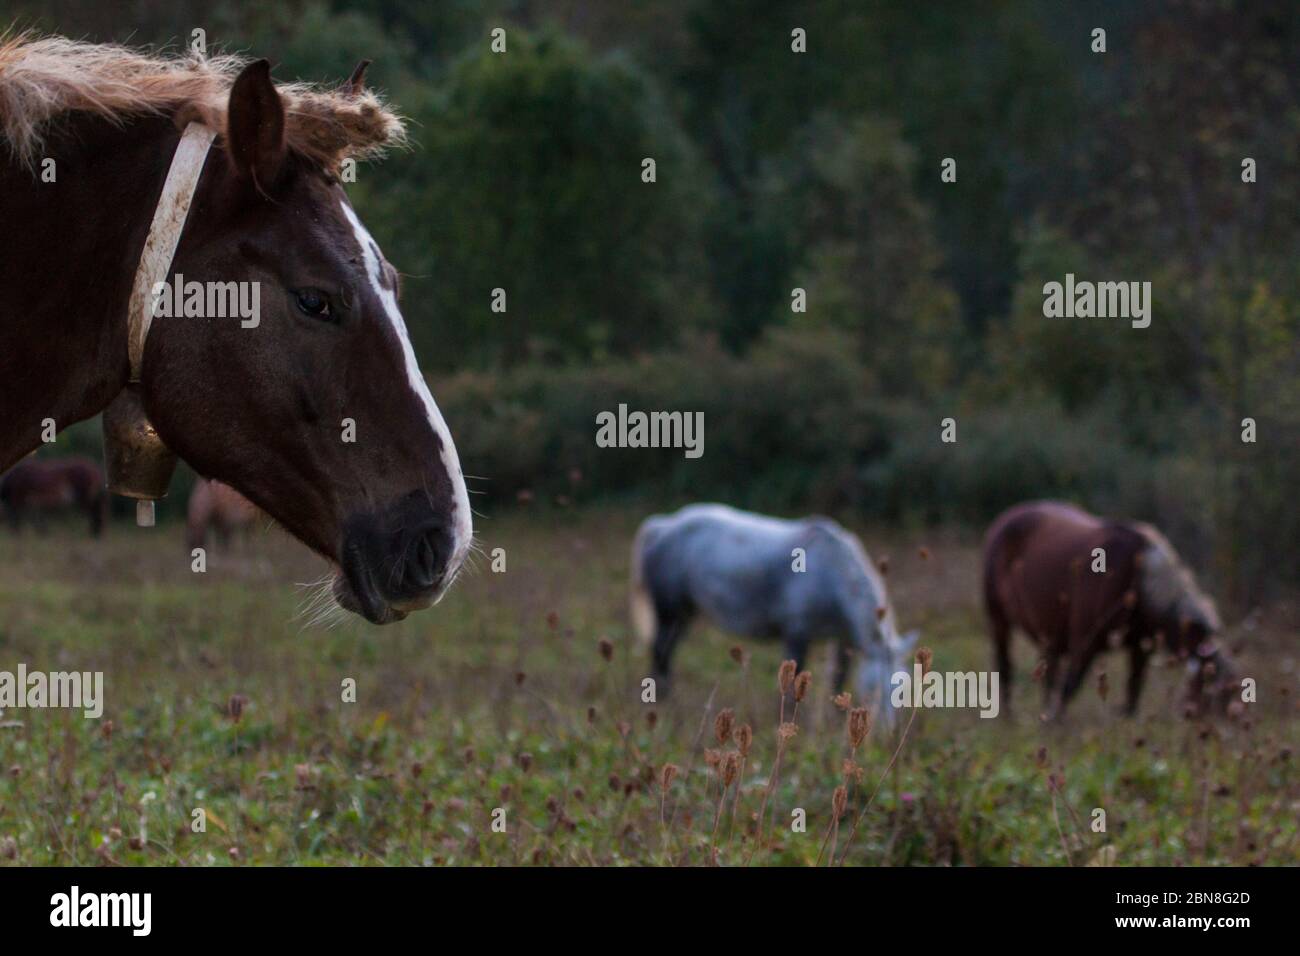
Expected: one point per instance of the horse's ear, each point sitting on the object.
(255, 125)
(357, 82)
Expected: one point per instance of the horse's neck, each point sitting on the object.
(860, 597)
(67, 269)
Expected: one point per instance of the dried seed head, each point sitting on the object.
(839, 799)
(712, 758)
(859, 726)
(785, 676)
(923, 657)
(722, 724)
(520, 677)
(801, 685)
(651, 718)
(591, 715)
(737, 653)
(730, 768)
(235, 707)
(788, 730)
(606, 647)
(843, 700)
(526, 761)
(667, 775)
(744, 739)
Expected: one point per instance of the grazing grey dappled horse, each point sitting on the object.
(740, 570)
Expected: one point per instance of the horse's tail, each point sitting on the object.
(644, 619)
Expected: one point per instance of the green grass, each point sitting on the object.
(499, 698)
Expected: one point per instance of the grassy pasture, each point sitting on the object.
(217, 698)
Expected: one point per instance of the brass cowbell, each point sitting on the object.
(138, 464)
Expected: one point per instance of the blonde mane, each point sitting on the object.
(42, 78)
(1169, 585)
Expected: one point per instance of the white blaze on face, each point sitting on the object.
(463, 529)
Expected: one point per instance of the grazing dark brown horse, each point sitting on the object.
(219, 508)
(42, 485)
(318, 413)
(1043, 574)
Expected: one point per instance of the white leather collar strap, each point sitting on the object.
(164, 235)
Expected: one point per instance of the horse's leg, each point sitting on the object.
(97, 507)
(843, 653)
(1137, 666)
(1000, 632)
(668, 631)
(1051, 673)
(796, 649)
(1075, 672)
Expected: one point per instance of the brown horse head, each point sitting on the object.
(318, 413)
(314, 406)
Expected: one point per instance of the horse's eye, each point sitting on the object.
(314, 303)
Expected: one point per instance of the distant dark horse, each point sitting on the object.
(318, 413)
(53, 484)
(1070, 580)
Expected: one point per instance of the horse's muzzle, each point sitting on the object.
(394, 562)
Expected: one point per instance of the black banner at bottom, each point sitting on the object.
(238, 904)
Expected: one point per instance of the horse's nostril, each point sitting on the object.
(426, 560)
(429, 556)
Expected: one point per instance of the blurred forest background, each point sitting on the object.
(821, 171)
